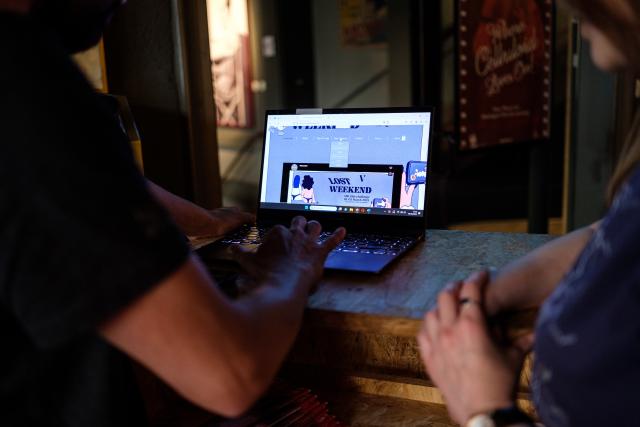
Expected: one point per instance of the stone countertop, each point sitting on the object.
(409, 287)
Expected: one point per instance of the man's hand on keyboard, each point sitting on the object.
(292, 253)
(223, 220)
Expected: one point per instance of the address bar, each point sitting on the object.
(323, 208)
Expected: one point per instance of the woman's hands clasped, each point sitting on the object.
(470, 369)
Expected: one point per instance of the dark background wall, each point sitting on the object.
(143, 64)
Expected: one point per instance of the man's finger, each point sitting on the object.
(298, 223)
(246, 217)
(235, 212)
(334, 240)
(277, 234)
(237, 249)
(245, 258)
(226, 211)
(238, 218)
(314, 229)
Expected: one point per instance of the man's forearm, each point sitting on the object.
(219, 354)
(274, 310)
(528, 281)
(189, 216)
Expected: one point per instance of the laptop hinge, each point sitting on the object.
(331, 225)
(309, 111)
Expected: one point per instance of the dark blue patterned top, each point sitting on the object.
(587, 367)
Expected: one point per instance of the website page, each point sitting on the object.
(368, 168)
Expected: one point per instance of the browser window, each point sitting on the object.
(372, 163)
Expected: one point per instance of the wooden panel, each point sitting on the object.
(384, 386)
(198, 94)
(358, 352)
(365, 353)
(371, 410)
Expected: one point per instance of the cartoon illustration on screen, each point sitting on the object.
(303, 192)
(381, 202)
(295, 189)
(415, 174)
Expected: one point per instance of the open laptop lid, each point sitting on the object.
(362, 168)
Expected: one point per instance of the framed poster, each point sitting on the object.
(504, 81)
(363, 22)
(230, 62)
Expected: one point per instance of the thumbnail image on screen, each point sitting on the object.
(416, 173)
(355, 186)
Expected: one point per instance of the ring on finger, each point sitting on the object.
(467, 301)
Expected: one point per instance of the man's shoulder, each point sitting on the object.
(43, 92)
(17, 32)
(12, 21)
(32, 57)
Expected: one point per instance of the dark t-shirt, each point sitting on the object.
(587, 352)
(81, 238)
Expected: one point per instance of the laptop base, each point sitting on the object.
(359, 252)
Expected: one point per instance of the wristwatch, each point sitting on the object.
(504, 417)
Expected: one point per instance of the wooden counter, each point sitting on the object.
(359, 330)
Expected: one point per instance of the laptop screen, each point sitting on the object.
(348, 163)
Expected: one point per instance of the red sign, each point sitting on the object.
(505, 71)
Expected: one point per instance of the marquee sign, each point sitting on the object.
(504, 56)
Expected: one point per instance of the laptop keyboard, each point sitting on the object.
(365, 243)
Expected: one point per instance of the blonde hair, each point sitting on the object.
(623, 32)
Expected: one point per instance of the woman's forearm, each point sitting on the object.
(528, 281)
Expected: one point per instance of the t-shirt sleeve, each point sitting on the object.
(82, 235)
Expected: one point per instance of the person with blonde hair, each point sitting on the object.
(587, 337)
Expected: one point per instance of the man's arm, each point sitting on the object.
(196, 221)
(528, 281)
(219, 354)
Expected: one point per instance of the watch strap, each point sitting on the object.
(509, 416)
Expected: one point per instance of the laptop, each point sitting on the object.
(363, 169)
